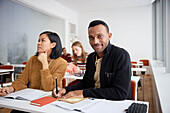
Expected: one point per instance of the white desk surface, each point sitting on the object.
(137, 64)
(5, 70)
(18, 65)
(138, 69)
(109, 106)
(68, 76)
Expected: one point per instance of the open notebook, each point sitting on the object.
(28, 94)
(80, 105)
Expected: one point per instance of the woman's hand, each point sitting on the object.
(42, 57)
(6, 90)
(76, 69)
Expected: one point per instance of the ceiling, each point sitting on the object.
(98, 5)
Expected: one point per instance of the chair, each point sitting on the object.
(146, 65)
(145, 62)
(22, 68)
(133, 90)
(73, 82)
(24, 63)
(64, 82)
(6, 78)
(133, 66)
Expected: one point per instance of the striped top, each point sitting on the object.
(80, 63)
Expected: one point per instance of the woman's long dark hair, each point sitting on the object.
(57, 50)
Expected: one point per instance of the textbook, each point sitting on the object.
(28, 94)
(43, 101)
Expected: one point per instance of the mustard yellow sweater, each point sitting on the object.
(39, 78)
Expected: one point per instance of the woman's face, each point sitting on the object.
(44, 44)
(77, 50)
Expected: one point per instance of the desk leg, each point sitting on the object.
(143, 86)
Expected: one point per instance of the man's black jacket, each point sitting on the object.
(115, 76)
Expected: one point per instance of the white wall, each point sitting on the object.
(52, 7)
(131, 28)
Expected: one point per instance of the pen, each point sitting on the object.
(77, 110)
(6, 92)
(56, 86)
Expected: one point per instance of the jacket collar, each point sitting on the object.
(107, 49)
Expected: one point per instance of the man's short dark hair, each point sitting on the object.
(57, 50)
(63, 48)
(98, 22)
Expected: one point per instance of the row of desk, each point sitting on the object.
(105, 106)
(115, 106)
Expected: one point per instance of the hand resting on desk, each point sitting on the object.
(71, 94)
(6, 90)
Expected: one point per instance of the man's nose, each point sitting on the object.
(96, 41)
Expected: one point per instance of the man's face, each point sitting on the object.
(99, 38)
(64, 51)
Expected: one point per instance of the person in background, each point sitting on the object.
(42, 69)
(65, 55)
(79, 56)
(108, 69)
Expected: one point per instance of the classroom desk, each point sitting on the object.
(140, 70)
(106, 106)
(68, 76)
(138, 65)
(18, 65)
(136, 80)
(4, 72)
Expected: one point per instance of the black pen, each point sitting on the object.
(56, 86)
(6, 92)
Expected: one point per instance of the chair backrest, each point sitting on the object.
(24, 64)
(6, 67)
(133, 89)
(64, 82)
(133, 62)
(145, 62)
(73, 82)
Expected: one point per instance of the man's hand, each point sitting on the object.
(72, 94)
(6, 90)
(61, 92)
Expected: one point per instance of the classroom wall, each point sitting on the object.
(20, 29)
(131, 28)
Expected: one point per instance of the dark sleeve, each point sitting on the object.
(119, 87)
(83, 83)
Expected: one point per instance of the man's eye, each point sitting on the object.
(99, 36)
(91, 38)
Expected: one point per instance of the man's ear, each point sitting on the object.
(53, 45)
(110, 35)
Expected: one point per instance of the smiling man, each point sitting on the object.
(108, 69)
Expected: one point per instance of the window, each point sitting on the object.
(161, 32)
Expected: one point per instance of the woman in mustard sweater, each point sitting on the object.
(42, 68)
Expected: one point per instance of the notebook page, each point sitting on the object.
(28, 94)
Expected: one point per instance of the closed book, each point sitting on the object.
(43, 101)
